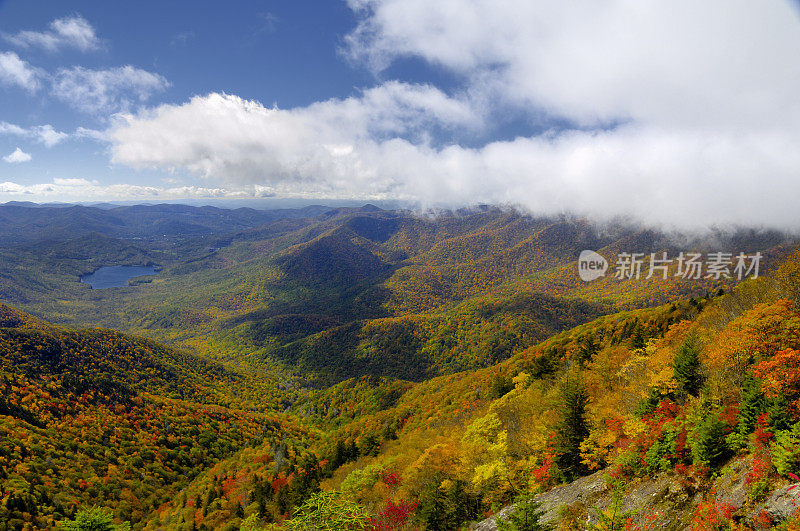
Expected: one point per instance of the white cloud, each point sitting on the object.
(12, 129)
(72, 182)
(723, 62)
(104, 91)
(92, 134)
(244, 141)
(44, 134)
(48, 136)
(17, 156)
(659, 175)
(704, 98)
(79, 189)
(15, 71)
(73, 32)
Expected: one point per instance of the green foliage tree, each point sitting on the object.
(613, 517)
(501, 385)
(786, 451)
(447, 505)
(307, 479)
(251, 524)
(779, 416)
(709, 446)
(572, 429)
(369, 444)
(94, 519)
(686, 367)
(751, 406)
(660, 455)
(638, 339)
(588, 349)
(329, 511)
(544, 365)
(526, 516)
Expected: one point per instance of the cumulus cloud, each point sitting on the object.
(17, 156)
(72, 32)
(47, 135)
(678, 114)
(725, 62)
(243, 141)
(44, 134)
(105, 91)
(659, 175)
(17, 72)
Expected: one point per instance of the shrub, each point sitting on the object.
(527, 516)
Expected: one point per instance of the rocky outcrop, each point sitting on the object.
(781, 503)
(663, 501)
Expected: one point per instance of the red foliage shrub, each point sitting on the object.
(763, 520)
(760, 470)
(711, 516)
(763, 435)
(542, 474)
(278, 483)
(393, 517)
(730, 416)
(391, 479)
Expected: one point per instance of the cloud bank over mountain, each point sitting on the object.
(677, 114)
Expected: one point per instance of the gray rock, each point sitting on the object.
(660, 501)
(780, 504)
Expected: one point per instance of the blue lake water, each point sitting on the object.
(116, 276)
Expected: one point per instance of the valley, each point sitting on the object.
(408, 366)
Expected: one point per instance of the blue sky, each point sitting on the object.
(260, 50)
(276, 52)
(677, 114)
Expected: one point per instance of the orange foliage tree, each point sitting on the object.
(780, 376)
(757, 335)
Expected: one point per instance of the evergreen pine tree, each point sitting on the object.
(686, 367)
(211, 495)
(526, 516)
(501, 385)
(709, 446)
(637, 336)
(751, 406)
(588, 348)
(572, 429)
(779, 417)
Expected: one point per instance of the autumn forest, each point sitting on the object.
(370, 369)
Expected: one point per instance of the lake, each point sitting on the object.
(116, 276)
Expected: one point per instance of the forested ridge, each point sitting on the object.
(700, 390)
(98, 417)
(371, 369)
